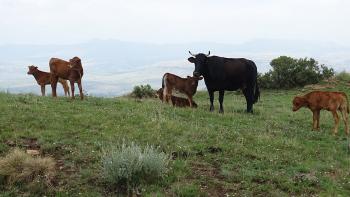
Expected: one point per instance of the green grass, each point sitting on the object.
(270, 153)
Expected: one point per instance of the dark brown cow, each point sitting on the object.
(72, 71)
(331, 101)
(176, 101)
(187, 86)
(44, 78)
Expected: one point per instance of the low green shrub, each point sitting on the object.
(127, 167)
(143, 91)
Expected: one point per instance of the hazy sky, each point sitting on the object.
(173, 21)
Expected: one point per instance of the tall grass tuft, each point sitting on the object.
(127, 167)
(19, 167)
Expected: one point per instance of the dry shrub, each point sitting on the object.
(19, 167)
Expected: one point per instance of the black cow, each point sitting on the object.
(230, 74)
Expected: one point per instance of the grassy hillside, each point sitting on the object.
(270, 153)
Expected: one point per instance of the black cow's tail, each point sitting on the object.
(256, 86)
(256, 92)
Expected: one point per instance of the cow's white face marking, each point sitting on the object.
(70, 65)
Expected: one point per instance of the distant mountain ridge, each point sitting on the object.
(113, 67)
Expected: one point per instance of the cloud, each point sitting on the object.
(162, 21)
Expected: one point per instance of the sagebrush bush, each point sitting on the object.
(343, 76)
(19, 167)
(143, 91)
(130, 166)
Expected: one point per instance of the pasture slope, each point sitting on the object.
(270, 153)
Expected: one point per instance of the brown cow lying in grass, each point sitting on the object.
(72, 71)
(44, 78)
(187, 86)
(331, 101)
(176, 101)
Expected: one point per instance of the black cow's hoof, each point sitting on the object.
(221, 111)
(211, 109)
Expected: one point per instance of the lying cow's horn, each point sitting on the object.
(208, 53)
(192, 54)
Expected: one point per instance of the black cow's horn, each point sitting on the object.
(208, 53)
(192, 54)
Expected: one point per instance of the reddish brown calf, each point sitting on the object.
(187, 86)
(72, 71)
(44, 78)
(176, 101)
(331, 101)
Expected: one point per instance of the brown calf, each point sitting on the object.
(187, 86)
(72, 71)
(331, 101)
(176, 101)
(44, 78)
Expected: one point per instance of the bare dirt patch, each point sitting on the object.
(31, 145)
(23, 142)
(334, 174)
(212, 149)
(187, 154)
(212, 182)
(306, 177)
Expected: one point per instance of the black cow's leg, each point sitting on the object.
(250, 103)
(249, 107)
(221, 100)
(249, 97)
(211, 97)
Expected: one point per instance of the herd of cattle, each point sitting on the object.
(219, 73)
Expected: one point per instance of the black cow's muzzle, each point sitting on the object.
(196, 74)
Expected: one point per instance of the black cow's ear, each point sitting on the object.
(191, 59)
